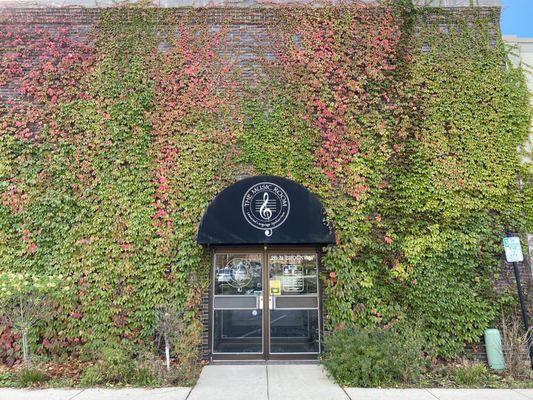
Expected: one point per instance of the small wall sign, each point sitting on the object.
(275, 287)
(513, 250)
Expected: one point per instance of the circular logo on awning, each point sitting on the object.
(266, 206)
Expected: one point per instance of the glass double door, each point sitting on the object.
(265, 304)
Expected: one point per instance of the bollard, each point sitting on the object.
(493, 344)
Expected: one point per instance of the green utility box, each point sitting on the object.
(493, 344)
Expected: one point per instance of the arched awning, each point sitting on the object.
(265, 209)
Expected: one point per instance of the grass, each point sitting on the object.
(7, 379)
(31, 377)
(466, 375)
(471, 375)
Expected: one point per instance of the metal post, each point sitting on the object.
(524, 312)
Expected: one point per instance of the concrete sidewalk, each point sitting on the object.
(266, 382)
(176, 393)
(439, 394)
(309, 382)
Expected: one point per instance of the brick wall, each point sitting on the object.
(79, 22)
(246, 27)
(206, 321)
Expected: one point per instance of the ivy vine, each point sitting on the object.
(405, 122)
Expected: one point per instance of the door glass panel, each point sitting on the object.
(294, 331)
(294, 310)
(238, 274)
(294, 274)
(238, 331)
(237, 303)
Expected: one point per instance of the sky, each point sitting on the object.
(517, 18)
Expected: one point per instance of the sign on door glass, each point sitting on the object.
(297, 273)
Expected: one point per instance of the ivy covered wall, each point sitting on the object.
(116, 135)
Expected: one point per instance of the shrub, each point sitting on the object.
(169, 324)
(514, 341)
(31, 377)
(90, 377)
(152, 370)
(470, 374)
(116, 367)
(26, 299)
(144, 376)
(373, 357)
(7, 379)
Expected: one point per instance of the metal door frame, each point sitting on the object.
(265, 251)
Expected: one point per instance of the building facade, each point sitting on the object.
(265, 235)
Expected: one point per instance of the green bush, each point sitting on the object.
(144, 376)
(91, 377)
(31, 377)
(470, 374)
(7, 379)
(373, 357)
(116, 367)
(27, 299)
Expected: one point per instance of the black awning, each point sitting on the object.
(265, 209)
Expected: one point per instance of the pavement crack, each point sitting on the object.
(345, 392)
(522, 394)
(77, 394)
(431, 393)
